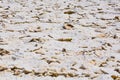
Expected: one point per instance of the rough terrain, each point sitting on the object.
(59, 39)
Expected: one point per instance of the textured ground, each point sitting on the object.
(35, 43)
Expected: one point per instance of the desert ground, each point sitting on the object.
(59, 39)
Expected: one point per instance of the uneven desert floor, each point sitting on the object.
(59, 39)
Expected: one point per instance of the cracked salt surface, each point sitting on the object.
(36, 43)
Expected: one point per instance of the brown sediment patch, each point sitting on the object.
(4, 52)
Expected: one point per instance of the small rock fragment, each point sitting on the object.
(82, 67)
(103, 64)
(65, 39)
(109, 44)
(3, 52)
(71, 75)
(103, 48)
(63, 50)
(74, 63)
(114, 77)
(38, 29)
(27, 72)
(16, 70)
(93, 62)
(37, 40)
(117, 17)
(2, 68)
(69, 12)
(101, 35)
(93, 37)
(86, 74)
(54, 74)
(118, 29)
(4, 16)
(38, 51)
(68, 26)
(117, 70)
(115, 37)
(74, 69)
(104, 72)
(84, 46)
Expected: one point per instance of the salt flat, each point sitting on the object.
(59, 40)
